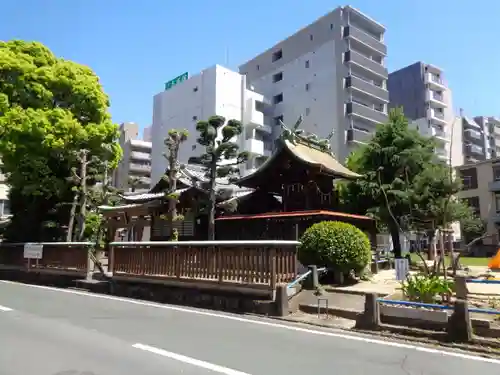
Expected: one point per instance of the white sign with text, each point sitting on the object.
(33, 251)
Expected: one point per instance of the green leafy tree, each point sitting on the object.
(220, 158)
(389, 163)
(50, 108)
(173, 143)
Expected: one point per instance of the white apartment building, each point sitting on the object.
(134, 170)
(215, 91)
(333, 73)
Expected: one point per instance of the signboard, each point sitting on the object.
(402, 268)
(33, 251)
(176, 81)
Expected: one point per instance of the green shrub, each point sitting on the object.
(336, 245)
(426, 289)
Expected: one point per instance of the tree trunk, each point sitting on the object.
(211, 192)
(431, 251)
(396, 241)
(172, 202)
(72, 214)
(83, 196)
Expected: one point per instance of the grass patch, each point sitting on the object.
(466, 261)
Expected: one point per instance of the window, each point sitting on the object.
(311, 37)
(278, 119)
(195, 118)
(259, 106)
(195, 89)
(496, 172)
(4, 207)
(277, 55)
(277, 77)
(307, 86)
(473, 202)
(331, 26)
(469, 178)
(307, 64)
(497, 202)
(258, 67)
(308, 111)
(278, 98)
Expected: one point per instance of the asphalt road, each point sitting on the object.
(45, 331)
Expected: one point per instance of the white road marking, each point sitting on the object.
(189, 360)
(3, 308)
(295, 328)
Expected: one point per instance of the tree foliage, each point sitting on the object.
(404, 186)
(389, 163)
(49, 109)
(220, 158)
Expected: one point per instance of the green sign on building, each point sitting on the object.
(176, 81)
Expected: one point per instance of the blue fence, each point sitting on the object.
(444, 307)
(476, 281)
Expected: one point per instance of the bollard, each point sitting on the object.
(370, 318)
(461, 287)
(281, 300)
(459, 324)
(313, 282)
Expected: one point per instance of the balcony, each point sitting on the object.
(473, 134)
(440, 135)
(495, 218)
(434, 82)
(257, 147)
(255, 118)
(436, 100)
(366, 113)
(474, 149)
(436, 117)
(357, 136)
(368, 65)
(367, 88)
(467, 123)
(442, 153)
(140, 168)
(136, 155)
(367, 40)
(494, 186)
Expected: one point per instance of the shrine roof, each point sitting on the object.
(307, 154)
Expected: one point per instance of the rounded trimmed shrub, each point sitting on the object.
(336, 245)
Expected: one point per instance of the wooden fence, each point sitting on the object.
(245, 266)
(57, 258)
(231, 265)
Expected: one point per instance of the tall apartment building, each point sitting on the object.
(214, 91)
(332, 72)
(481, 189)
(134, 170)
(483, 135)
(427, 101)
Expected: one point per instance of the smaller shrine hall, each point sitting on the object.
(292, 190)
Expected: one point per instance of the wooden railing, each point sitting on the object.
(56, 256)
(249, 263)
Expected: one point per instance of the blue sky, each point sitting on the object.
(136, 46)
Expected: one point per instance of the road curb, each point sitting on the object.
(480, 351)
